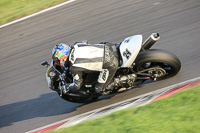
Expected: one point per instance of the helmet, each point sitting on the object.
(60, 53)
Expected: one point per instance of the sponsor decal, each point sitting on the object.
(127, 40)
(107, 55)
(127, 54)
(103, 76)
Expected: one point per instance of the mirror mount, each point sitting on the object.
(44, 63)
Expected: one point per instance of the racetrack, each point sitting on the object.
(26, 102)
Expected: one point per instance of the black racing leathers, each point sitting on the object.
(89, 58)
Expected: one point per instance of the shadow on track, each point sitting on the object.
(44, 106)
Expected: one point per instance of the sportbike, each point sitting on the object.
(135, 57)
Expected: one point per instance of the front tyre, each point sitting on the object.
(77, 99)
(155, 58)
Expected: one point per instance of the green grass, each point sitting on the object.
(179, 113)
(14, 9)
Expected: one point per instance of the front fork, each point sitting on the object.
(62, 85)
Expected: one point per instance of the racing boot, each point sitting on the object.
(99, 88)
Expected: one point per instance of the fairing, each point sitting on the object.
(129, 49)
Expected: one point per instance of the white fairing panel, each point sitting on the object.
(129, 49)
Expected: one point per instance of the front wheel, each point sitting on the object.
(77, 99)
(167, 63)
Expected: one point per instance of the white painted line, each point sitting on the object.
(46, 126)
(76, 122)
(129, 105)
(37, 13)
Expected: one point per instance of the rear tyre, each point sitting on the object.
(158, 58)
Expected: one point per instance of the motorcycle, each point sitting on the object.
(135, 58)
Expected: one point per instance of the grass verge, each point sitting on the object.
(179, 113)
(14, 9)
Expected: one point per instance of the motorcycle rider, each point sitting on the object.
(83, 57)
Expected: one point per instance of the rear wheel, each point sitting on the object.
(161, 63)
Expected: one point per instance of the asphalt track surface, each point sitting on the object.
(26, 102)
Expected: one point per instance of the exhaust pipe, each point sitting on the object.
(150, 41)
